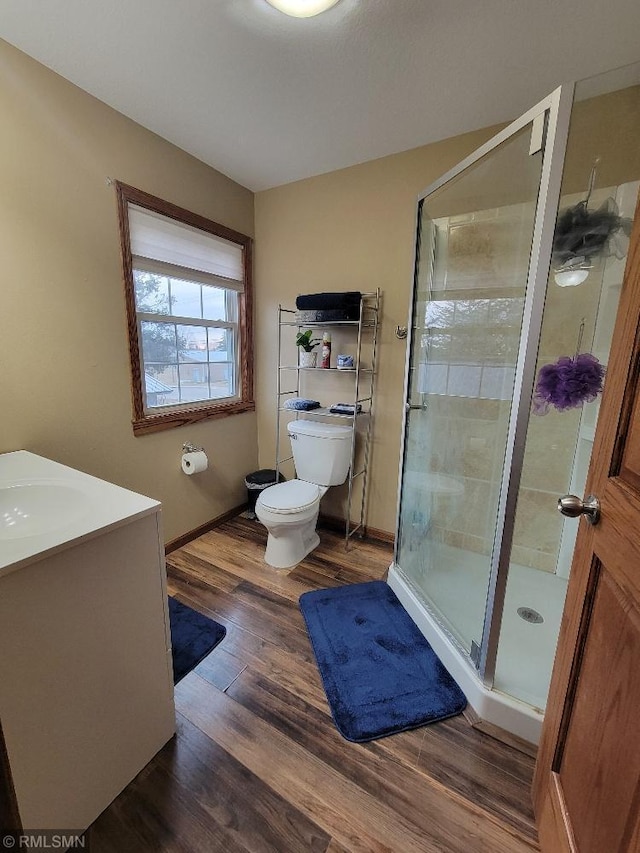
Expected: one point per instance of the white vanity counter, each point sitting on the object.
(86, 679)
(46, 507)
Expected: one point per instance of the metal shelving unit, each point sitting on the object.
(366, 329)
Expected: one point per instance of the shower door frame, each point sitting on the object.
(550, 120)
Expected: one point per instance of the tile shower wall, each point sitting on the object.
(456, 499)
(464, 379)
(467, 401)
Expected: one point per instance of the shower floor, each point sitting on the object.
(456, 585)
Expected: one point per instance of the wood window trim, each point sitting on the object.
(144, 422)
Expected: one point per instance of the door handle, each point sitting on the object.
(572, 506)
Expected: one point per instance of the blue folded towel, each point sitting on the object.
(300, 404)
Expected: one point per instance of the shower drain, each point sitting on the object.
(530, 615)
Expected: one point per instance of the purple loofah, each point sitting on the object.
(568, 383)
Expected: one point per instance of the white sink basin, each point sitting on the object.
(38, 507)
(47, 507)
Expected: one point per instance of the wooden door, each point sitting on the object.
(587, 782)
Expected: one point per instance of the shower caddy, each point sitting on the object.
(366, 327)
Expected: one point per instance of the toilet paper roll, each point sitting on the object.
(195, 462)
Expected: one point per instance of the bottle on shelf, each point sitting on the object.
(326, 350)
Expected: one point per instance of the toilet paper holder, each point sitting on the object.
(188, 447)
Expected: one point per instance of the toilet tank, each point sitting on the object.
(321, 452)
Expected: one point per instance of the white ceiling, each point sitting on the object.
(268, 99)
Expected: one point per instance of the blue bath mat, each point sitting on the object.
(192, 637)
(379, 673)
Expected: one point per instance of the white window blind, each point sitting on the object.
(166, 247)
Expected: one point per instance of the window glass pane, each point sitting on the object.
(161, 385)
(220, 346)
(185, 299)
(222, 362)
(192, 344)
(158, 344)
(221, 374)
(194, 382)
(152, 292)
(186, 364)
(214, 303)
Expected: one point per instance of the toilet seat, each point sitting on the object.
(289, 498)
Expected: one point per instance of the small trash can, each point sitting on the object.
(257, 482)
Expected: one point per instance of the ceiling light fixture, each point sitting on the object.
(302, 8)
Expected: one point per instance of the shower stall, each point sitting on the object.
(482, 556)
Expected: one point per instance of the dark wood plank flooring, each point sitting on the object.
(257, 764)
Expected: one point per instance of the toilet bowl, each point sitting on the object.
(289, 511)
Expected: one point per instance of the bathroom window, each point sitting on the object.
(188, 295)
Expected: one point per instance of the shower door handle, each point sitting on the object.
(573, 506)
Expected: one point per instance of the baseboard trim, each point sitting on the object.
(179, 541)
(498, 733)
(332, 522)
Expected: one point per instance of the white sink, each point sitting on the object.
(47, 507)
(38, 507)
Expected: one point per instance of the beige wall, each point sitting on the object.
(348, 230)
(603, 128)
(65, 380)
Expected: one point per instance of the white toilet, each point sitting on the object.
(289, 511)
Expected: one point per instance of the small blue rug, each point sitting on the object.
(379, 673)
(192, 637)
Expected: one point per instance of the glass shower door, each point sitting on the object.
(474, 242)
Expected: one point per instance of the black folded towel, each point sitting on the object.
(321, 301)
(328, 315)
(345, 408)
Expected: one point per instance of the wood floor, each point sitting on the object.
(257, 764)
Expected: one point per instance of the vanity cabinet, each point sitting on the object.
(354, 386)
(86, 682)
